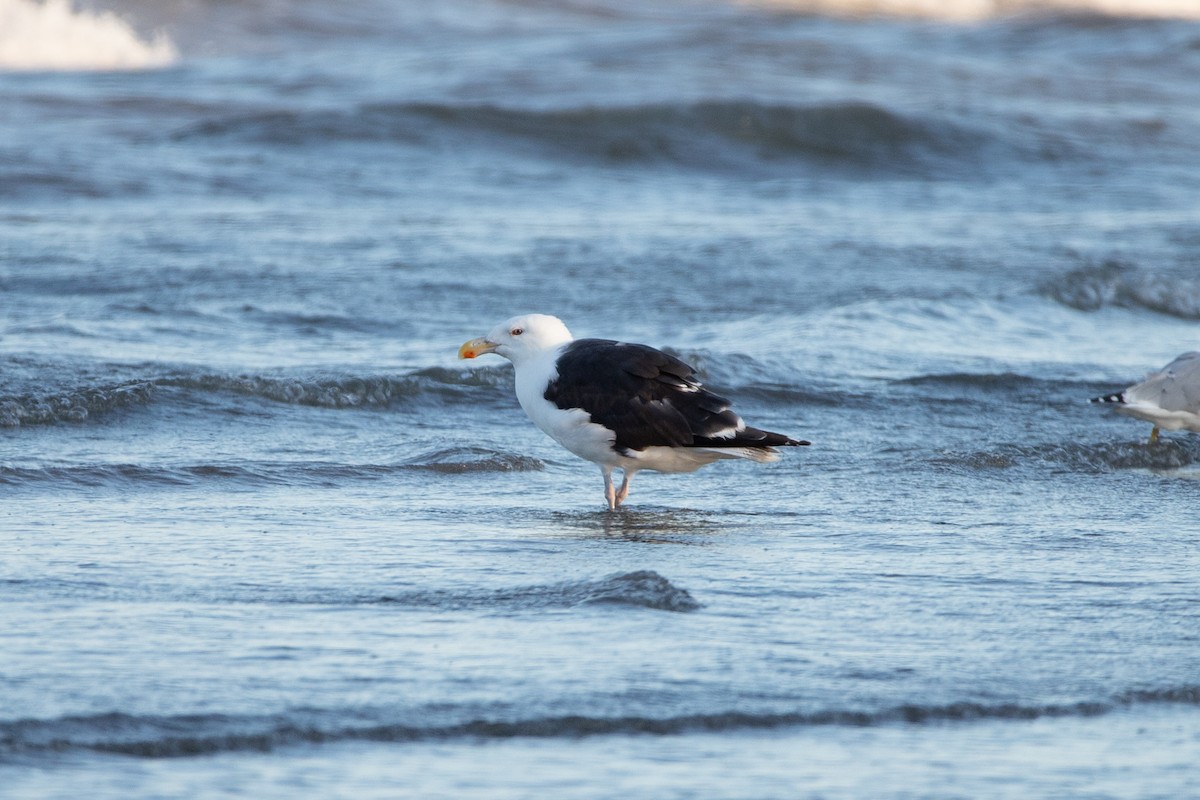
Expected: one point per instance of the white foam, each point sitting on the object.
(54, 35)
(977, 10)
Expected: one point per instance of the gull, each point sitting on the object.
(1168, 399)
(621, 405)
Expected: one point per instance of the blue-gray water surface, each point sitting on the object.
(262, 535)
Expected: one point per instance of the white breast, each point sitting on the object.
(573, 428)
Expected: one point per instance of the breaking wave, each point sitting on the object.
(54, 35)
(181, 736)
(1114, 283)
(72, 405)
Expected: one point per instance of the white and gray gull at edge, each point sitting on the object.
(1168, 399)
(620, 405)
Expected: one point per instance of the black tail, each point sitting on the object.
(1119, 397)
(790, 442)
(750, 437)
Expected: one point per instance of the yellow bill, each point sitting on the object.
(476, 348)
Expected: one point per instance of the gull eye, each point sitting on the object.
(517, 331)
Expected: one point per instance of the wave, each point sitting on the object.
(181, 736)
(1115, 283)
(126, 475)
(989, 387)
(432, 384)
(350, 392)
(709, 135)
(1168, 454)
(1003, 381)
(452, 461)
(459, 460)
(970, 379)
(644, 589)
(979, 10)
(489, 386)
(143, 476)
(74, 405)
(54, 35)
(641, 589)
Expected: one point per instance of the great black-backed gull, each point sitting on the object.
(1169, 398)
(622, 406)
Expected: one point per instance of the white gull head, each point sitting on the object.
(520, 339)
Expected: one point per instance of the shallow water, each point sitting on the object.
(264, 535)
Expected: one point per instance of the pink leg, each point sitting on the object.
(610, 494)
(623, 492)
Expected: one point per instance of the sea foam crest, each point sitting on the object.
(54, 35)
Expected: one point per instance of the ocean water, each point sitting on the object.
(262, 535)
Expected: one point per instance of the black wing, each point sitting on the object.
(648, 398)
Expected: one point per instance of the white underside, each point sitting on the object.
(690, 459)
(1161, 418)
